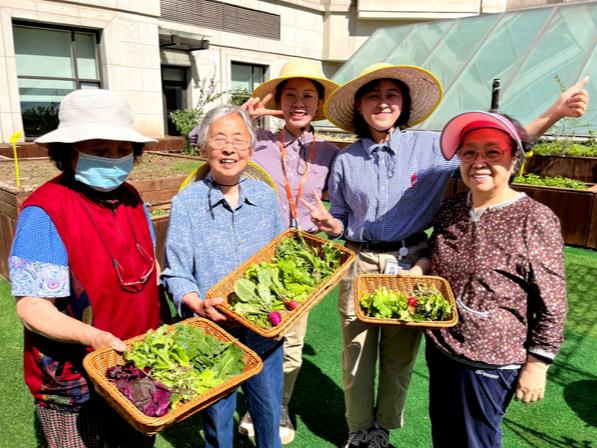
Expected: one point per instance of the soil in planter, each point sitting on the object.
(150, 166)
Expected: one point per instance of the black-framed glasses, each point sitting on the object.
(468, 154)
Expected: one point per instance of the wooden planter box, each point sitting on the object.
(576, 209)
(583, 169)
(27, 150)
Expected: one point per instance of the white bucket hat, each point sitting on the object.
(94, 114)
(297, 69)
(424, 88)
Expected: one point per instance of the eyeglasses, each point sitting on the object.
(131, 286)
(221, 143)
(466, 154)
(135, 285)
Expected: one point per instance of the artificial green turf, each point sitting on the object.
(567, 417)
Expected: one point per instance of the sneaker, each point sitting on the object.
(286, 428)
(245, 427)
(378, 437)
(357, 439)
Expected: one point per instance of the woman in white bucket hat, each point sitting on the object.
(83, 268)
(385, 190)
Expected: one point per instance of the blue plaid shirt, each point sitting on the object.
(207, 239)
(388, 192)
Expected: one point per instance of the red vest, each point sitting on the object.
(94, 236)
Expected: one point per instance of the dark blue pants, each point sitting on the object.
(263, 393)
(466, 404)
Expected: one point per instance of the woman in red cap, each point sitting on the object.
(502, 253)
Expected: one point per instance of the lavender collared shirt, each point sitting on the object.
(267, 154)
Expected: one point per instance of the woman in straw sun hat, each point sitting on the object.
(83, 268)
(385, 190)
(298, 162)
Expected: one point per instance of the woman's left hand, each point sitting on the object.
(574, 101)
(531, 382)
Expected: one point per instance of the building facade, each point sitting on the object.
(166, 55)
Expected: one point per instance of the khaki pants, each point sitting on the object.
(397, 348)
(293, 356)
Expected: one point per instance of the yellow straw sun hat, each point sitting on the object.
(251, 171)
(297, 69)
(425, 93)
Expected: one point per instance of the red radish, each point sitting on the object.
(412, 301)
(292, 304)
(275, 318)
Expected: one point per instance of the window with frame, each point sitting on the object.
(52, 62)
(244, 79)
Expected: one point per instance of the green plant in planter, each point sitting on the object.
(571, 149)
(186, 119)
(547, 181)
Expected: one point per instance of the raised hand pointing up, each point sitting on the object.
(324, 221)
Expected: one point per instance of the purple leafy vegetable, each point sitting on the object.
(149, 396)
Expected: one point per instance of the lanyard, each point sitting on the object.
(291, 202)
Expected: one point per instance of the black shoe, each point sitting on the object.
(378, 437)
(357, 439)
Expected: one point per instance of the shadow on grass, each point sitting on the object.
(189, 432)
(320, 403)
(579, 396)
(537, 438)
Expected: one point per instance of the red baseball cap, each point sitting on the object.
(462, 124)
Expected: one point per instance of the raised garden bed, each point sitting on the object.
(157, 177)
(576, 209)
(579, 168)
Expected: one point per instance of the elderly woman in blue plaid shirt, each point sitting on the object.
(216, 224)
(385, 190)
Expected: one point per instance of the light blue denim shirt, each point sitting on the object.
(207, 239)
(384, 193)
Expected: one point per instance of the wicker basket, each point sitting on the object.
(225, 287)
(368, 283)
(97, 363)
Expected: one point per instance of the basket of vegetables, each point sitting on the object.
(282, 282)
(169, 374)
(425, 302)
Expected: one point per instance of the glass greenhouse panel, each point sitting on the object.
(375, 49)
(497, 57)
(559, 57)
(415, 47)
(534, 52)
(457, 46)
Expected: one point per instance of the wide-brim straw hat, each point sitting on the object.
(94, 114)
(251, 171)
(424, 88)
(297, 69)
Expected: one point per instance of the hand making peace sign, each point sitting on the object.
(322, 218)
(256, 107)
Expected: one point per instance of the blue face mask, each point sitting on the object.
(103, 173)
